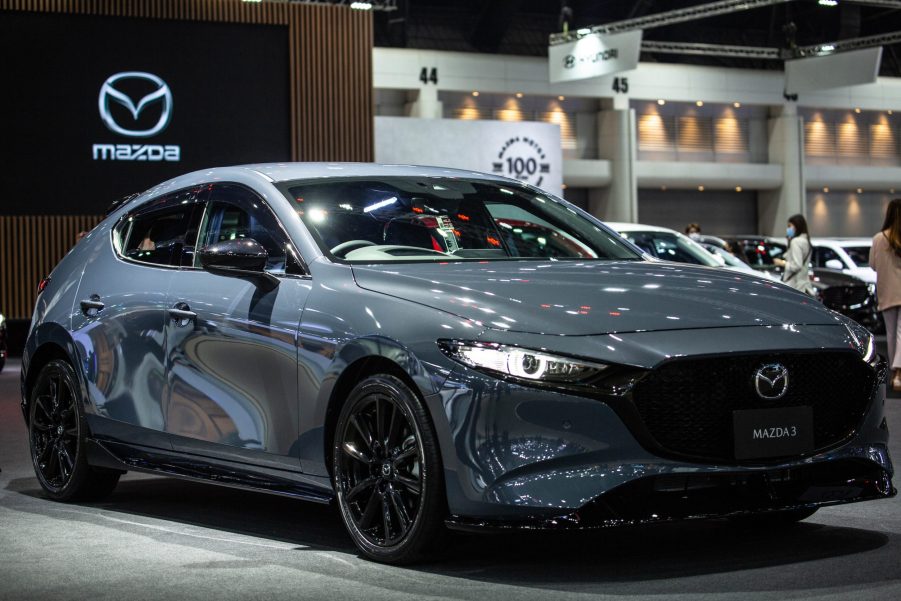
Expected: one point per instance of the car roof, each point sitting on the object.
(843, 241)
(281, 172)
(637, 227)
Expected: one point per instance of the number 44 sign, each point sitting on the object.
(522, 158)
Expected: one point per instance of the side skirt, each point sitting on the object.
(126, 457)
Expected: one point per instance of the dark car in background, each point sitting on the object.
(847, 294)
(382, 337)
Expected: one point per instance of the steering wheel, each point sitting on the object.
(345, 247)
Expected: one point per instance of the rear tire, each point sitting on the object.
(387, 472)
(56, 432)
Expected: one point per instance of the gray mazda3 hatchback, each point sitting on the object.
(432, 348)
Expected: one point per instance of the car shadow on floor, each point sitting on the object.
(617, 557)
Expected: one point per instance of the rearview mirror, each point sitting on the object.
(834, 264)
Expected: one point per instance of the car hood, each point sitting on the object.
(573, 298)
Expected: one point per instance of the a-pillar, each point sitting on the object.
(617, 144)
(786, 148)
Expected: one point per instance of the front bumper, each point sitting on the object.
(518, 455)
(700, 495)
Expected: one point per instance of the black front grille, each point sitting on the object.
(844, 296)
(687, 404)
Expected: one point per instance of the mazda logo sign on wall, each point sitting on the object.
(108, 93)
(771, 381)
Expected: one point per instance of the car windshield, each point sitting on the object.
(860, 255)
(372, 220)
(672, 246)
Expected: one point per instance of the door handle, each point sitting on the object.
(181, 314)
(92, 306)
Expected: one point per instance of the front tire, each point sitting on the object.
(56, 434)
(387, 472)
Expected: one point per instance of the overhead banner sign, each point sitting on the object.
(529, 151)
(594, 55)
(832, 70)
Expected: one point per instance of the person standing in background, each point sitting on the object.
(796, 263)
(885, 258)
(693, 231)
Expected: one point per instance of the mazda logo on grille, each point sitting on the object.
(771, 381)
(108, 93)
(569, 61)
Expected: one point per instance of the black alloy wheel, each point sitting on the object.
(57, 438)
(387, 472)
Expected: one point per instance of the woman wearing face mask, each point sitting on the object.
(885, 258)
(796, 269)
(693, 231)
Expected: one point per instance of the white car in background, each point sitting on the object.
(669, 245)
(848, 255)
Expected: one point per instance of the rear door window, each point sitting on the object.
(162, 232)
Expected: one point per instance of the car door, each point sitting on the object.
(231, 373)
(119, 316)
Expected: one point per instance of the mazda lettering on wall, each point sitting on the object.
(522, 158)
(142, 109)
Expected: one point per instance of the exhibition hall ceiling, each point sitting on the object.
(523, 26)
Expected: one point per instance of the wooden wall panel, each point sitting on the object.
(30, 247)
(331, 100)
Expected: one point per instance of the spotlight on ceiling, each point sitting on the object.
(828, 2)
(361, 5)
(699, 103)
(661, 101)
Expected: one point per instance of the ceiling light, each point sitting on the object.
(700, 188)
(860, 190)
(583, 31)
(738, 188)
(519, 94)
(857, 110)
(700, 103)
(826, 189)
(663, 188)
(561, 98)
(476, 94)
(361, 5)
(828, 2)
(890, 111)
(661, 101)
(736, 105)
(827, 47)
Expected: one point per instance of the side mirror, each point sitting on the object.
(834, 264)
(244, 258)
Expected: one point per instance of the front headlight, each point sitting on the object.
(862, 340)
(521, 363)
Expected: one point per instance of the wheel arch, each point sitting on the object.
(362, 358)
(48, 341)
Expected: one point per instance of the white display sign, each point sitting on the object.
(832, 70)
(594, 55)
(529, 151)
